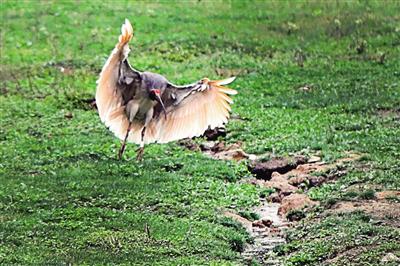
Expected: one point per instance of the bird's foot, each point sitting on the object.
(140, 153)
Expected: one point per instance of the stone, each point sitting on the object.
(213, 134)
(316, 180)
(280, 183)
(297, 180)
(295, 202)
(258, 223)
(264, 170)
(189, 144)
(390, 257)
(267, 222)
(314, 159)
(206, 146)
(275, 197)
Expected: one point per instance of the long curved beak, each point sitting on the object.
(158, 99)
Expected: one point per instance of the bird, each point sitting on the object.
(143, 107)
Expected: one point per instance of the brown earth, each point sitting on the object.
(295, 202)
(380, 209)
(289, 177)
(264, 170)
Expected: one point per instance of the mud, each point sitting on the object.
(267, 232)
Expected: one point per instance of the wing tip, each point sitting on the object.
(225, 81)
(128, 26)
(126, 33)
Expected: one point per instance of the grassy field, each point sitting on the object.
(64, 198)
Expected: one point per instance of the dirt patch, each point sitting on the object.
(287, 204)
(347, 255)
(267, 232)
(385, 113)
(264, 170)
(307, 174)
(247, 224)
(288, 176)
(277, 182)
(219, 150)
(390, 257)
(387, 195)
(386, 212)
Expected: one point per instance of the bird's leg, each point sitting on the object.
(140, 151)
(131, 109)
(122, 149)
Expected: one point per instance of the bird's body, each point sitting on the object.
(142, 98)
(144, 107)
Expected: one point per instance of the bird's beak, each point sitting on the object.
(158, 99)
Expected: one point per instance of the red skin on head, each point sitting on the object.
(156, 91)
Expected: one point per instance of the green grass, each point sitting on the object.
(64, 198)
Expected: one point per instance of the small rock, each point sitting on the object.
(297, 180)
(68, 115)
(281, 184)
(233, 152)
(252, 157)
(295, 202)
(189, 144)
(390, 257)
(264, 170)
(305, 88)
(267, 222)
(206, 146)
(299, 159)
(275, 197)
(213, 134)
(295, 216)
(236, 155)
(219, 146)
(316, 180)
(258, 223)
(283, 188)
(314, 159)
(275, 176)
(275, 231)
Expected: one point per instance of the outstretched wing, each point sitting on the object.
(191, 110)
(117, 84)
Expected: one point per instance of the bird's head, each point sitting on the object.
(155, 95)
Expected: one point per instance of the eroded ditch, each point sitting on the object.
(290, 178)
